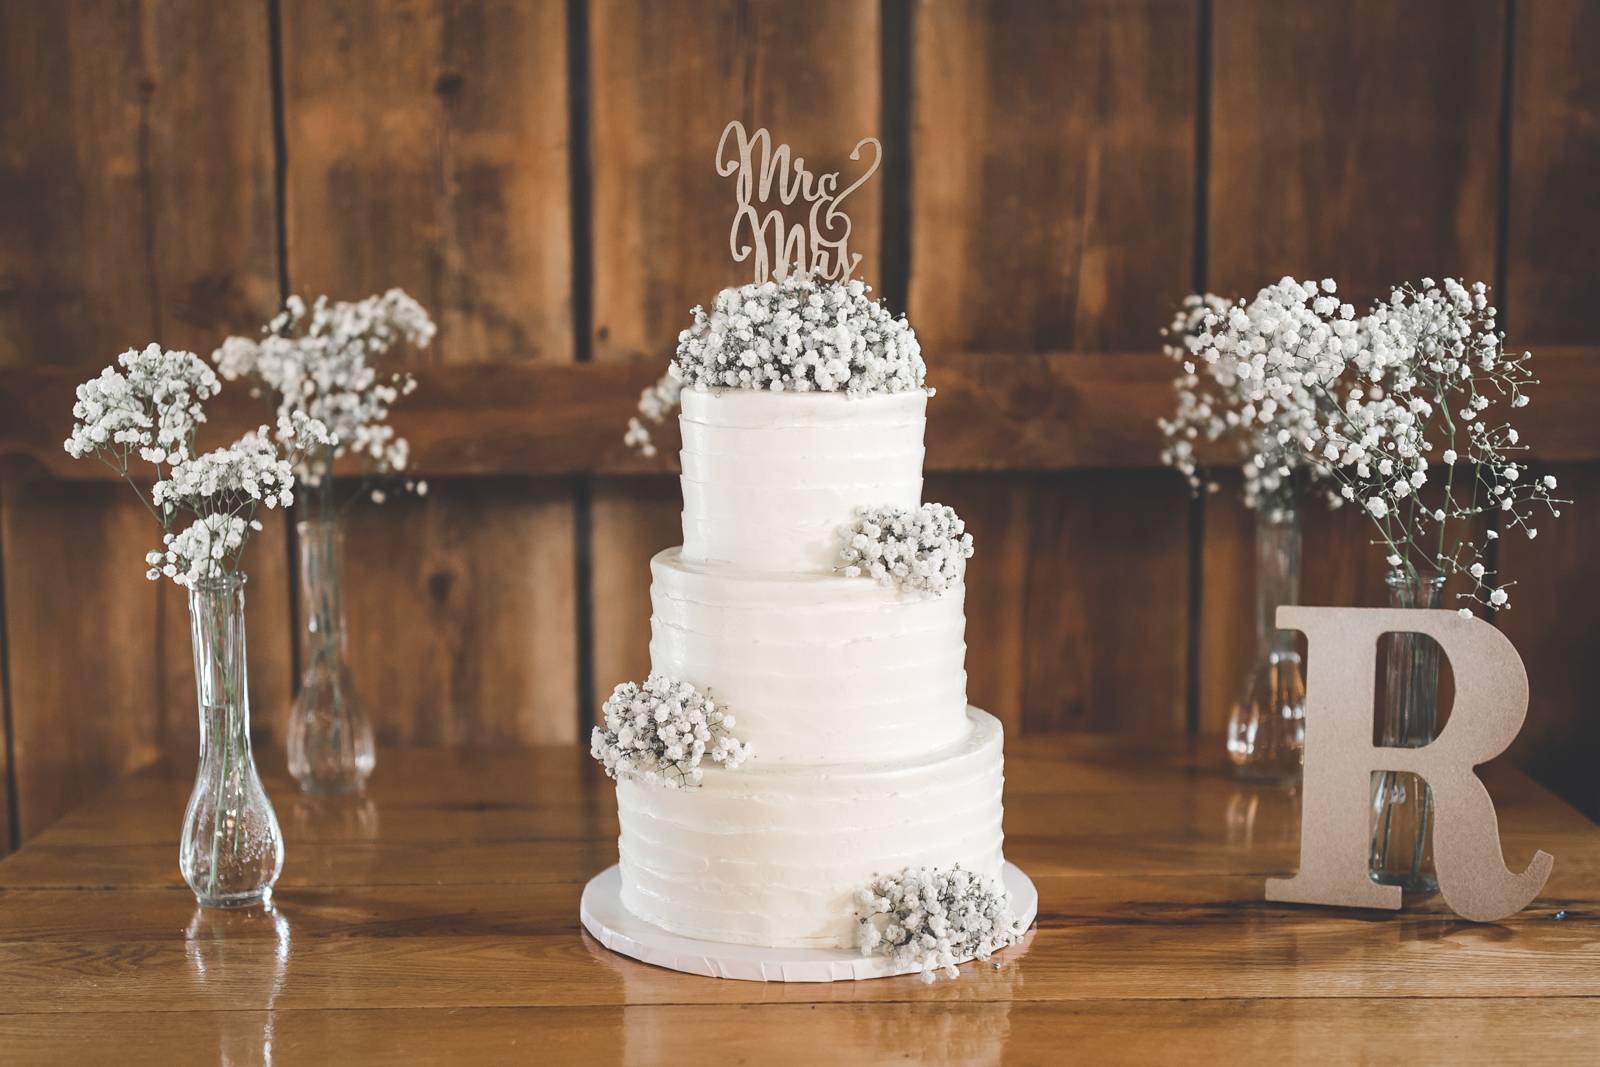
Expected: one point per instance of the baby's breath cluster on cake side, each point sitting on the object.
(934, 918)
(924, 551)
(661, 731)
(800, 335)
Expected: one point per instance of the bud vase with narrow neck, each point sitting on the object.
(232, 850)
(1408, 704)
(330, 739)
(1267, 730)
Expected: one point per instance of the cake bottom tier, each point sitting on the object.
(774, 855)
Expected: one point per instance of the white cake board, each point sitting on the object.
(622, 932)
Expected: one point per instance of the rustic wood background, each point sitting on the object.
(539, 174)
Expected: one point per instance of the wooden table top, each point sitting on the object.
(436, 920)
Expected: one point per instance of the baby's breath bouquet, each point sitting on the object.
(1216, 341)
(1215, 403)
(1413, 403)
(1412, 407)
(318, 362)
(147, 410)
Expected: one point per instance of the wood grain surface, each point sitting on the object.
(1045, 139)
(1370, 181)
(435, 920)
(140, 206)
(995, 411)
(1550, 275)
(1057, 175)
(427, 147)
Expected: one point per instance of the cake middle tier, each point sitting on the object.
(770, 479)
(814, 668)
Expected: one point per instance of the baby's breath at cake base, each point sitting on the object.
(934, 918)
(923, 551)
(659, 732)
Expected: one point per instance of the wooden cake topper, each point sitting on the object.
(765, 180)
(1491, 702)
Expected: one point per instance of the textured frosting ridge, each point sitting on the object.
(772, 857)
(770, 478)
(816, 668)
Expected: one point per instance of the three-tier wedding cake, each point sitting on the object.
(816, 607)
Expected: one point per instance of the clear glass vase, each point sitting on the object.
(232, 849)
(1408, 700)
(1267, 730)
(330, 739)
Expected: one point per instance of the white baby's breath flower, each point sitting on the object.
(934, 918)
(661, 731)
(798, 335)
(924, 551)
(655, 404)
(1419, 376)
(317, 363)
(205, 504)
(150, 408)
(1226, 351)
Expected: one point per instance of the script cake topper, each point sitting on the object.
(759, 170)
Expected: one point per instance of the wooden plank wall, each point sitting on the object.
(1058, 175)
(1552, 227)
(427, 146)
(1044, 143)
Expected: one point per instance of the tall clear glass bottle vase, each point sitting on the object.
(1266, 730)
(330, 738)
(232, 848)
(1408, 704)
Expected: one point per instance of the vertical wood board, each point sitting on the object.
(428, 148)
(1053, 208)
(1554, 219)
(1320, 167)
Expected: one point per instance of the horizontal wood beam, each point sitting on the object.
(993, 412)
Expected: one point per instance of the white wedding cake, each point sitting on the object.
(843, 671)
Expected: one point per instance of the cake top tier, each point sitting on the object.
(799, 335)
(771, 480)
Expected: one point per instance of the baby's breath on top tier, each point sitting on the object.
(934, 918)
(800, 335)
(660, 732)
(923, 550)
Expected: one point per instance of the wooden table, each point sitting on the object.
(435, 920)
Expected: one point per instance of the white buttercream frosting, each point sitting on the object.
(769, 479)
(815, 668)
(865, 758)
(772, 856)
